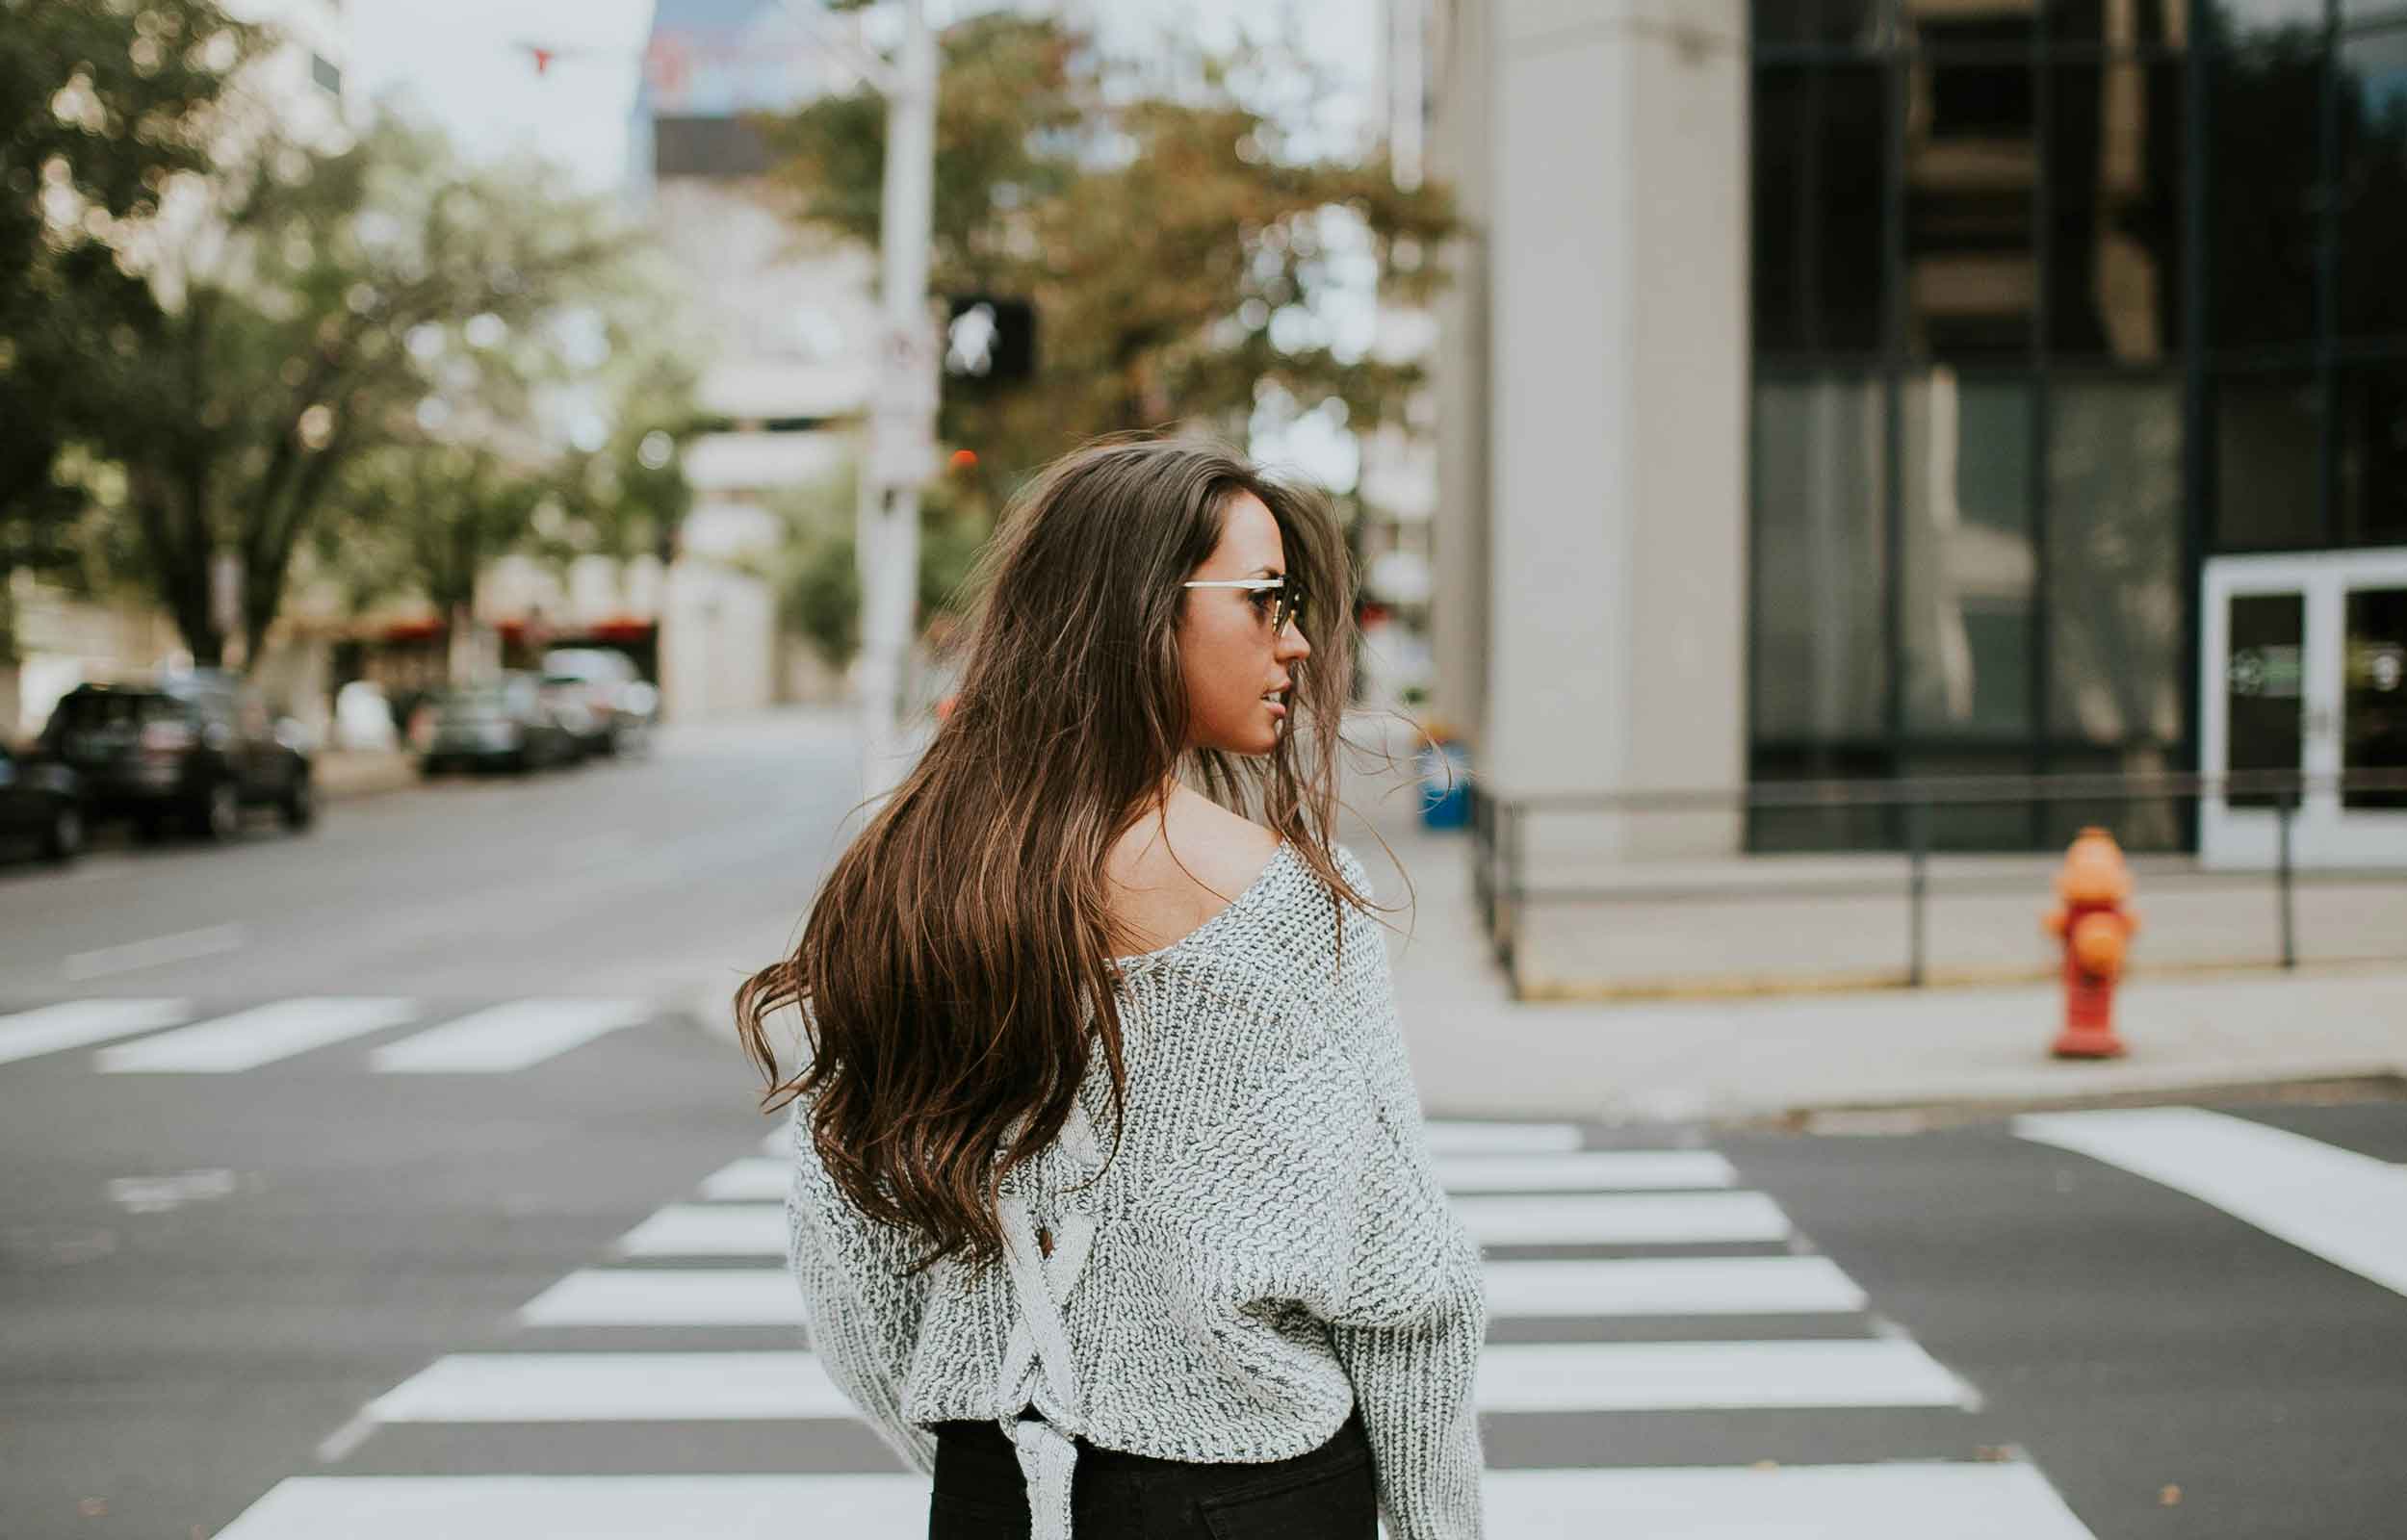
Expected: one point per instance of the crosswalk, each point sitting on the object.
(173, 1037)
(1622, 1283)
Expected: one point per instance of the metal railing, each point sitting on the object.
(1503, 892)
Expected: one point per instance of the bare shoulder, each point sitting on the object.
(1171, 873)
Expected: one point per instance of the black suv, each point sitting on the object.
(198, 746)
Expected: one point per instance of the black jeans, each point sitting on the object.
(1328, 1494)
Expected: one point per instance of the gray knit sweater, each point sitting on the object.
(1269, 1247)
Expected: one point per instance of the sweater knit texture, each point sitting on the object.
(1268, 1249)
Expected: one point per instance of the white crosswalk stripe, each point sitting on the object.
(761, 1178)
(507, 1036)
(1895, 1502)
(1583, 1218)
(80, 1023)
(711, 1270)
(1670, 1286)
(2348, 1208)
(503, 1038)
(259, 1035)
(1641, 1286)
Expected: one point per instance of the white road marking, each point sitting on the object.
(710, 1231)
(1647, 1286)
(507, 1036)
(180, 947)
(1450, 1135)
(573, 1387)
(1640, 1219)
(1672, 1286)
(258, 1035)
(2346, 1208)
(75, 1023)
(646, 1387)
(590, 1507)
(1570, 1218)
(249, 1039)
(668, 1297)
(1597, 1170)
(752, 1179)
(1597, 1376)
(1904, 1501)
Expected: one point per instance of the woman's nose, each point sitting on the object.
(1290, 646)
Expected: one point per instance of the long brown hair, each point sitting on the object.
(957, 969)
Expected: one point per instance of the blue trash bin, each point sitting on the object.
(1445, 787)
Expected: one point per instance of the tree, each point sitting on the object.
(476, 478)
(1174, 243)
(431, 517)
(100, 108)
(283, 348)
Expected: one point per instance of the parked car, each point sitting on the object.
(620, 699)
(41, 806)
(197, 746)
(505, 723)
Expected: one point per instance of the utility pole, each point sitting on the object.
(902, 409)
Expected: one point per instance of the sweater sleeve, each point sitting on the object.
(1416, 1311)
(863, 1303)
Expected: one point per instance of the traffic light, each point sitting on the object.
(988, 339)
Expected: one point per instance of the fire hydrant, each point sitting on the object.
(2096, 929)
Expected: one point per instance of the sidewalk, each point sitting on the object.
(1477, 1052)
(340, 773)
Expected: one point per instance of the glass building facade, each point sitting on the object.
(2052, 301)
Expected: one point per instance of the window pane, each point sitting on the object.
(2115, 287)
(2118, 611)
(2118, 24)
(1971, 165)
(1968, 555)
(1818, 557)
(1967, 824)
(1819, 136)
(2372, 449)
(2263, 177)
(2372, 184)
(1818, 21)
(1995, 26)
(2264, 689)
(2265, 446)
(2136, 823)
(2250, 21)
(2373, 693)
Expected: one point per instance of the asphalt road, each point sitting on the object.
(465, 1265)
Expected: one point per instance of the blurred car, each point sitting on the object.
(363, 718)
(197, 746)
(41, 805)
(587, 723)
(621, 700)
(505, 723)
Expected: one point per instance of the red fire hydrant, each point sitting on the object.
(2096, 929)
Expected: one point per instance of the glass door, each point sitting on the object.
(2305, 661)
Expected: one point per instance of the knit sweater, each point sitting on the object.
(1268, 1249)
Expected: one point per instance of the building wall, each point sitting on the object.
(1460, 92)
(1600, 150)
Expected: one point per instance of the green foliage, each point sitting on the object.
(1161, 238)
(101, 107)
(290, 349)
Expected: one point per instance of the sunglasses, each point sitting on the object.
(1274, 598)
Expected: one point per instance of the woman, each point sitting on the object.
(1111, 1202)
